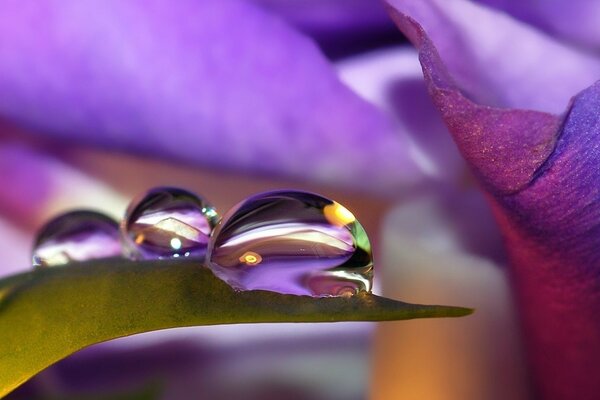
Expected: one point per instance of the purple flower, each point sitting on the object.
(538, 168)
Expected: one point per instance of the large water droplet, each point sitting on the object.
(76, 236)
(167, 222)
(292, 242)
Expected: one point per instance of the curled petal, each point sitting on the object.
(541, 171)
(498, 60)
(552, 229)
(504, 147)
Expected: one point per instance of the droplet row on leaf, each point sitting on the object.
(285, 241)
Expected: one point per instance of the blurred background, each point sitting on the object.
(100, 101)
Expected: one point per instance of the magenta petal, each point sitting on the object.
(552, 230)
(541, 171)
(214, 83)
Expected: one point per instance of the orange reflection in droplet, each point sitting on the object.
(338, 215)
(250, 258)
(139, 239)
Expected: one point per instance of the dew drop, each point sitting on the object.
(167, 223)
(79, 235)
(292, 242)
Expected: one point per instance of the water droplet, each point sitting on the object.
(168, 222)
(80, 235)
(292, 242)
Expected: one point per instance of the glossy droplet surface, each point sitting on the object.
(80, 235)
(168, 222)
(292, 242)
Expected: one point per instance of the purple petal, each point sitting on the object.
(574, 20)
(26, 184)
(307, 368)
(392, 79)
(315, 16)
(15, 248)
(542, 173)
(499, 61)
(526, 137)
(340, 27)
(218, 84)
(553, 233)
(37, 185)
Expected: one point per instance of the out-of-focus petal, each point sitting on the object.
(219, 84)
(37, 185)
(113, 370)
(316, 16)
(25, 182)
(436, 249)
(341, 27)
(392, 79)
(317, 368)
(498, 60)
(15, 248)
(542, 174)
(574, 20)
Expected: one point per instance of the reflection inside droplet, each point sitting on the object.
(168, 222)
(80, 235)
(176, 243)
(250, 258)
(337, 214)
(292, 242)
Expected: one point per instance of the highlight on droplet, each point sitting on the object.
(250, 258)
(337, 214)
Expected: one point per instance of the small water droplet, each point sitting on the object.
(167, 223)
(79, 235)
(292, 242)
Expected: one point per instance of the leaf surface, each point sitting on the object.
(46, 315)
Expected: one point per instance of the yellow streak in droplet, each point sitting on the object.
(338, 215)
(250, 258)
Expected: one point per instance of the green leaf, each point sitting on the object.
(48, 314)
